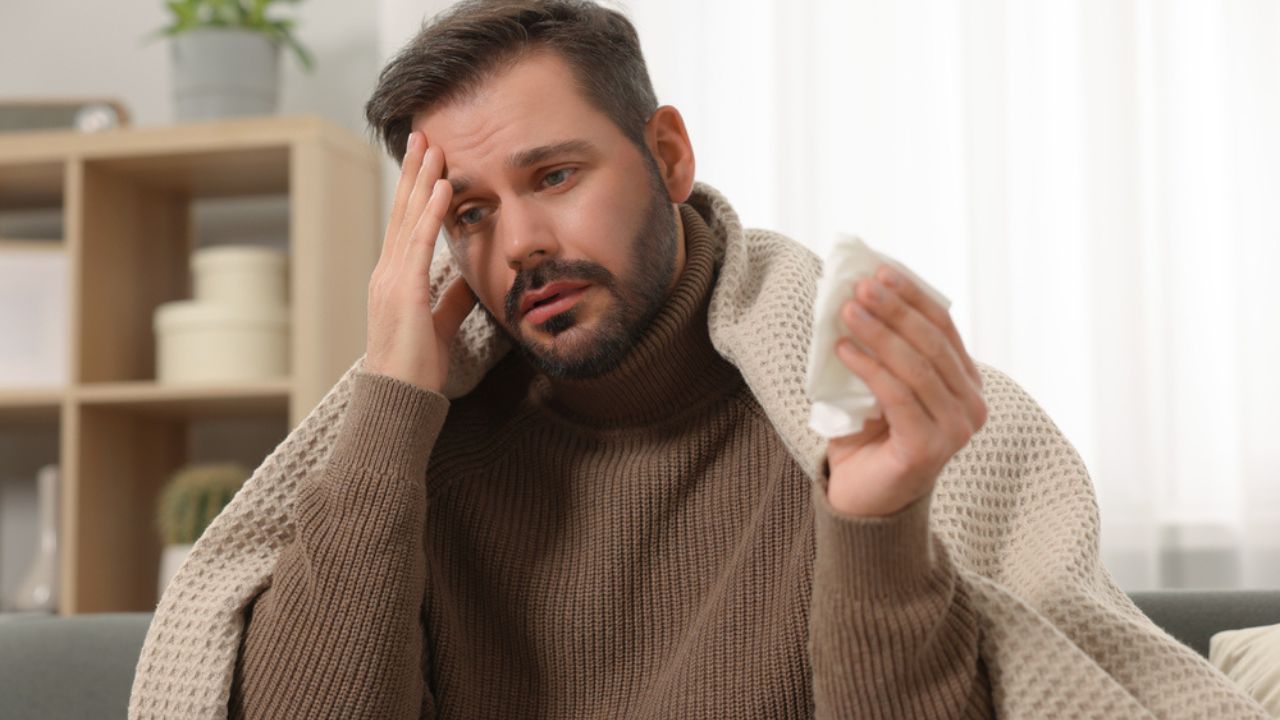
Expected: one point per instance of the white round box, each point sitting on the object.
(204, 342)
(240, 275)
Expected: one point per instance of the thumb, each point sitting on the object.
(454, 306)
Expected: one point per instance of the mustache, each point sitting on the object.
(554, 271)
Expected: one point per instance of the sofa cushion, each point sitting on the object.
(69, 667)
(1193, 616)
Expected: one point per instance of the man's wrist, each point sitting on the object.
(879, 509)
(855, 508)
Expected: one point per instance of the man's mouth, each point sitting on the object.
(552, 301)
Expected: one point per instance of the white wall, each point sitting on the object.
(59, 48)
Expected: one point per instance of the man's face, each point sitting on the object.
(550, 196)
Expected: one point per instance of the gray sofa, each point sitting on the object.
(82, 666)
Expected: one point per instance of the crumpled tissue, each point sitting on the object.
(842, 402)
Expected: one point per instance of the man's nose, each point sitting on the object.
(526, 237)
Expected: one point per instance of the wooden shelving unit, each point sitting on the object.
(126, 201)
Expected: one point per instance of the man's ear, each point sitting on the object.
(668, 141)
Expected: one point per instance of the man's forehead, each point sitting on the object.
(537, 90)
(526, 115)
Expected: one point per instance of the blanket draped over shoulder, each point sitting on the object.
(1015, 507)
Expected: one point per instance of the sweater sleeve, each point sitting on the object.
(892, 633)
(338, 633)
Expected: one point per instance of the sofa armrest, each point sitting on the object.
(1193, 616)
(69, 667)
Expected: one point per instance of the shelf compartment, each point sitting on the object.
(135, 245)
(25, 447)
(34, 313)
(216, 174)
(31, 185)
(131, 441)
(120, 463)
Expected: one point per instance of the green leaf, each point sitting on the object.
(258, 12)
(304, 57)
(186, 14)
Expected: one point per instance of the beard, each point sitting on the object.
(636, 300)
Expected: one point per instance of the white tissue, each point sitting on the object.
(842, 402)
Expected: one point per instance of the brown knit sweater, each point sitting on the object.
(639, 545)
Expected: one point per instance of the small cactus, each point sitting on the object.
(194, 497)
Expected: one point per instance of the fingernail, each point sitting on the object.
(891, 278)
(413, 138)
(877, 292)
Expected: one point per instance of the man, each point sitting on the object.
(610, 522)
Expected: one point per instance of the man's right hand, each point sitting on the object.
(406, 340)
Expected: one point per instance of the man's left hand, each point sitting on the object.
(928, 388)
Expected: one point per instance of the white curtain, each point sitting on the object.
(1094, 184)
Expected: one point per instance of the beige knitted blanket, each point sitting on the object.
(1015, 507)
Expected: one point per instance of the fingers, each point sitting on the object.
(903, 343)
(926, 339)
(900, 406)
(408, 175)
(420, 244)
(935, 313)
(910, 370)
(423, 192)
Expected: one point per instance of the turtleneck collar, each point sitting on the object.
(671, 367)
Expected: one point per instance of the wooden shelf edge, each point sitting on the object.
(40, 405)
(35, 396)
(47, 146)
(147, 390)
(10, 244)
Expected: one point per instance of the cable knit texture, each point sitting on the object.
(521, 547)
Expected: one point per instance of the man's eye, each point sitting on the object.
(561, 173)
(468, 218)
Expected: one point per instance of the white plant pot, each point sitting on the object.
(224, 73)
(170, 560)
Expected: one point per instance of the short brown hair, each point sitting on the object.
(475, 39)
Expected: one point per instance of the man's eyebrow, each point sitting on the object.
(532, 156)
(460, 185)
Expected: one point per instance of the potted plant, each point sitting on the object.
(225, 57)
(189, 502)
